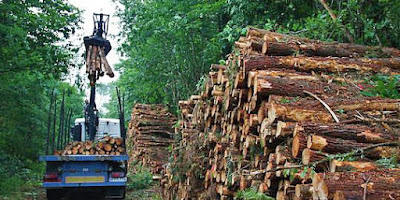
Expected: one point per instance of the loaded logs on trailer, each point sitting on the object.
(96, 62)
(149, 135)
(105, 146)
(286, 117)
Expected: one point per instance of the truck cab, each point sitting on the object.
(106, 126)
(102, 174)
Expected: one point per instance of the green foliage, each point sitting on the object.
(384, 86)
(251, 194)
(141, 179)
(169, 45)
(29, 32)
(19, 176)
(289, 173)
(390, 162)
(285, 100)
(34, 59)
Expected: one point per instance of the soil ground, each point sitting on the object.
(152, 193)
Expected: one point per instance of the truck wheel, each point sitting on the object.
(115, 193)
(54, 194)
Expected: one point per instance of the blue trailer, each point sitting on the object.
(104, 174)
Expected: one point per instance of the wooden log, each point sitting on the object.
(299, 142)
(104, 61)
(309, 156)
(298, 113)
(88, 58)
(303, 191)
(323, 64)
(359, 133)
(333, 145)
(270, 166)
(284, 129)
(359, 166)
(338, 102)
(317, 47)
(267, 85)
(380, 184)
(282, 154)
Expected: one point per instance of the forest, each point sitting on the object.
(167, 46)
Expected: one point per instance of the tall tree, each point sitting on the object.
(170, 44)
(34, 58)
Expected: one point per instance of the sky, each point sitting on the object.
(89, 7)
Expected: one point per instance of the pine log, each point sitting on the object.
(333, 145)
(381, 184)
(316, 47)
(299, 143)
(360, 166)
(298, 113)
(303, 191)
(323, 64)
(309, 156)
(266, 85)
(284, 129)
(342, 102)
(359, 133)
(282, 154)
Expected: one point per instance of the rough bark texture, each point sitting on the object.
(359, 133)
(332, 145)
(149, 135)
(319, 48)
(331, 64)
(250, 126)
(381, 184)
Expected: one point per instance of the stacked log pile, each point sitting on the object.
(286, 116)
(106, 146)
(149, 136)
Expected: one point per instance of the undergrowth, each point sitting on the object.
(141, 185)
(384, 86)
(252, 194)
(19, 179)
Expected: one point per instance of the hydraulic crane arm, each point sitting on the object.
(97, 47)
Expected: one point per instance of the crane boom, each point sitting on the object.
(97, 47)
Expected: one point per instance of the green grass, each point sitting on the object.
(141, 185)
(20, 188)
(252, 194)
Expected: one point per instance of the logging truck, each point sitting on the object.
(103, 174)
(95, 160)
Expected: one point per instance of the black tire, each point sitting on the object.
(121, 193)
(54, 194)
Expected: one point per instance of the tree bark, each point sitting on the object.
(333, 145)
(359, 133)
(359, 166)
(323, 64)
(381, 184)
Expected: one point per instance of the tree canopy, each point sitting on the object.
(170, 44)
(34, 59)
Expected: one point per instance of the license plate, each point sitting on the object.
(84, 179)
(118, 179)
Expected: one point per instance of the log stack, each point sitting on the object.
(287, 117)
(105, 146)
(149, 135)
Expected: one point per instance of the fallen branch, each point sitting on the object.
(334, 18)
(324, 104)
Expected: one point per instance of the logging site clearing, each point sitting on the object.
(209, 100)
